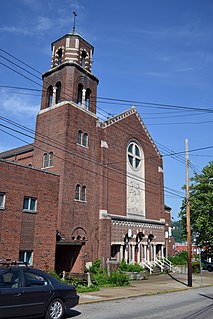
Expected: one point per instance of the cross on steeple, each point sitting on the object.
(74, 15)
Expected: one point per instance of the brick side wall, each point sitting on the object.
(25, 231)
(24, 159)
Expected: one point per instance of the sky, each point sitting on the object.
(156, 55)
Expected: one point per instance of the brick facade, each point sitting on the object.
(23, 230)
(122, 212)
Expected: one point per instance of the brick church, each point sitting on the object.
(85, 189)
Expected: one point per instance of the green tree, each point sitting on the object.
(201, 208)
(177, 231)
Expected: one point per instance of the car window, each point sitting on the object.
(9, 279)
(33, 279)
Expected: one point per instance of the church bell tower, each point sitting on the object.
(70, 77)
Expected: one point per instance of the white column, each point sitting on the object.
(154, 250)
(145, 251)
(121, 252)
(162, 251)
(83, 98)
(54, 95)
(139, 254)
(148, 253)
(126, 253)
(133, 253)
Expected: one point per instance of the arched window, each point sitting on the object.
(79, 98)
(135, 180)
(80, 137)
(85, 139)
(87, 99)
(83, 58)
(77, 192)
(58, 92)
(83, 194)
(51, 159)
(45, 160)
(50, 95)
(59, 56)
(134, 155)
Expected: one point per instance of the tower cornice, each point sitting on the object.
(65, 64)
(73, 35)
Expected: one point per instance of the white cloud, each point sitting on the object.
(14, 105)
(44, 23)
(11, 29)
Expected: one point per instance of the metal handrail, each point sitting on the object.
(159, 263)
(167, 262)
(147, 265)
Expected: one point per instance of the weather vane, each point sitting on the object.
(74, 15)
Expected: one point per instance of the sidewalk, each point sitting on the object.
(152, 285)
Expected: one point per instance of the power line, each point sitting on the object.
(95, 172)
(19, 67)
(26, 77)
(110, 99)
(20, 61)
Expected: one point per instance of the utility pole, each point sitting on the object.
(189, 245)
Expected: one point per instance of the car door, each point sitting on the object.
(10, 293)
(36, 293)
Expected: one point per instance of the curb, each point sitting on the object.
(150, 293)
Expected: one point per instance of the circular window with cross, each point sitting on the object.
(134, 155)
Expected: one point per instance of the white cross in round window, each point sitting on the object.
(134, 155)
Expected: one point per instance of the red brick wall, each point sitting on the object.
(22, 230)
(117, 137)
(24, 159)
(76, 164)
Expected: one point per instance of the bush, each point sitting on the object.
(130, 267)
(196, 267)
(180, 259)
(101, 279)
(96, 267)
(119, 278)
(54, 274)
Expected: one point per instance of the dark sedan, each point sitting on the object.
(26, 292)
(207, 265)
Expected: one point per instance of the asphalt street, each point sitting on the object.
(187, 304)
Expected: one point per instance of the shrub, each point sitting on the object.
(54, 274)
(101, 279)
(130, 267)
(96, 267)
(180, 259)
(119, 278)
(196, 267)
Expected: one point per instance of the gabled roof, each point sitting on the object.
(124, 115)
(17, 151)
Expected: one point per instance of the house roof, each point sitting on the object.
(17, 151)
(126, 114)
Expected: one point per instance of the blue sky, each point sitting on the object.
(156, 51)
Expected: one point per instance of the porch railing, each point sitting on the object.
(159, 263)
(148, 265)
(167, 262)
